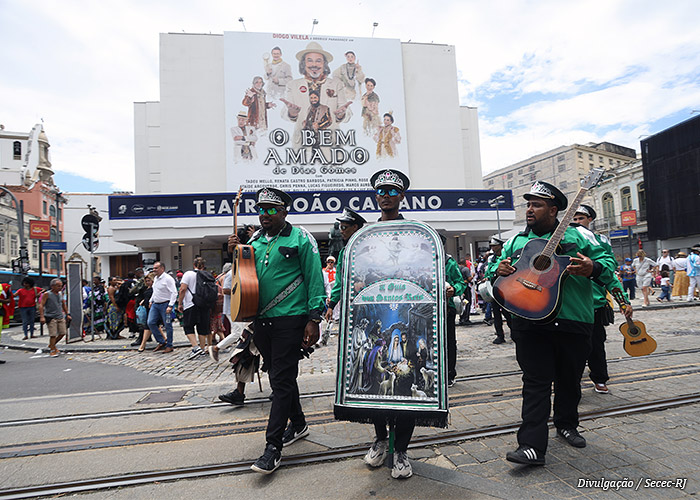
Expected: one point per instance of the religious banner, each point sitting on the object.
(392, 349)
(311, 112)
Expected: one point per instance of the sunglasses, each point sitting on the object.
(390, 192)
(268, 211)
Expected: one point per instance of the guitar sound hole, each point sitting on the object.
(541, 262)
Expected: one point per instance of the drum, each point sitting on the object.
(485, 291)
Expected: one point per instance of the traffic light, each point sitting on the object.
(91, 226)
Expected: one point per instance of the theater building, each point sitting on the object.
(313, 115)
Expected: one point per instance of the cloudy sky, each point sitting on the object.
(542, 73)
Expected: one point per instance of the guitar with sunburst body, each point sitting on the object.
(244, 278)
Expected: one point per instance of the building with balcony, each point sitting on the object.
(563, 167)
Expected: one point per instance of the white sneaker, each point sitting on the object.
(402, 467)
(377, 453)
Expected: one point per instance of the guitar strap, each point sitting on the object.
(283, 294)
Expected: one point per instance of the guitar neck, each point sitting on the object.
(563, 224)
(620, 299)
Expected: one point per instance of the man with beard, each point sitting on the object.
(313, 65)
(278, 73)
(291, 297)
(317, 118)
(244, 139)
(555, 352)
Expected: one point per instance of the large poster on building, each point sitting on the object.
(307, 113)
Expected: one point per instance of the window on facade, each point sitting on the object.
(600, 159)
(608, 206)
(626, 198)
(45, 207)
(611, 161)
(642, 197)
(14, 246)
(532, 168)
(490, 182)
(563, 185)
(2, 241)
(561, 158)
(54, 235)
(580, 154)
(590, 157)
(510, 175)
(510, 184)
(590, 165)
(52, 211)
(562, 167)
(520, 182)
(520, 171)
(54, 261)
(35, 249)
(60, 214)
(17, 150)
(533, 177)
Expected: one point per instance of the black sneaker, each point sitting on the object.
(451, 382)
(572, 437)
(499, 340)
(234, 397)
(525, 455)
(291, 435)
(269, 461)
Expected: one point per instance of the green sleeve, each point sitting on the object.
(454, 276)
(313, 275)
(338, 283)
(604, 262)
(614, 282)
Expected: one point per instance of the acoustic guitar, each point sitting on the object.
(244, 278)
(533, 291)
(637, 341)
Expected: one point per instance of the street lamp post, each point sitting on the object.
(494, 204)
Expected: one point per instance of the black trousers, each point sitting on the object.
(279, 341)
(597, 363)
(497, 319)
(451, 343)
(403, 431)
(464, 317)
(547, 357)
(629, 285)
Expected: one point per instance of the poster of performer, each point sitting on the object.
(392, 331)
(320, 112)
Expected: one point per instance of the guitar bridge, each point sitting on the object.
(530, 284)
(638, 341)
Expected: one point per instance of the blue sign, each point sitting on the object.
(54, 246)
(307, 202)
(618, 233)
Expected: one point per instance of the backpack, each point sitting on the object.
(121, 296)
(206, 290)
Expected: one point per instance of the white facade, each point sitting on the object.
(180, 146)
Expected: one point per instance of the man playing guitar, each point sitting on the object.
(554, 352)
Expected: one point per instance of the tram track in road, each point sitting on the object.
(243, 467)
(261, 400)
(248, 424)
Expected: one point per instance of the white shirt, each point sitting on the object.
(679, 263)
(668, 260)
(228, 279)
(164, 290)
(189, 279)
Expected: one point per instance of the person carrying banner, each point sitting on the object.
(291, 299)
(390, 186)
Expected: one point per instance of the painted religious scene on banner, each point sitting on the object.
(306, 112)
(392, 331)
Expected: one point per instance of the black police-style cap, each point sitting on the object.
(495, 242)
(272, 196)
(351, 217)
(546, 191)
(586, 210)
(390, 177)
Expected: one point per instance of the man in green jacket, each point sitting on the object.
(455, 288)
(597, 363)
(291, 297)
(555, 352)
(350, 223)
